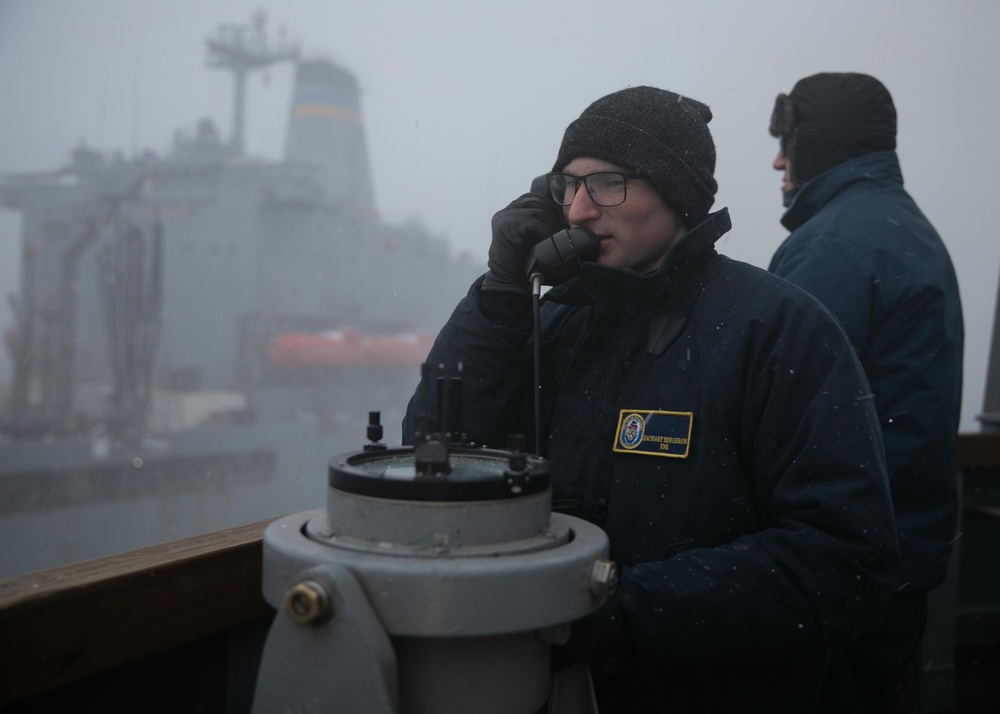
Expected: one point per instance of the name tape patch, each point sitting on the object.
(654, 433)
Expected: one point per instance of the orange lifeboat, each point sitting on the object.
(402, 350)
(334, 348)
(347, 347)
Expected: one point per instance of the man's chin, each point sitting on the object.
(788, 196)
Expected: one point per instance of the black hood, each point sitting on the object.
(830, 118)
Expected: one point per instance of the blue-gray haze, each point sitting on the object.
(465, 102)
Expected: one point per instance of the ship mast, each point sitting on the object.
(242, 49)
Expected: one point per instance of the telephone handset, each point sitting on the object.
(558, 257)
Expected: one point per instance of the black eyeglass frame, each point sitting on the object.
(583, 181)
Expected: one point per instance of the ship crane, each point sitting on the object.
(242, 49)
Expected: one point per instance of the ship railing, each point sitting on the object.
(182, 622)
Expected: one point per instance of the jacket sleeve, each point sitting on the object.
(824, 555)
(492, 364)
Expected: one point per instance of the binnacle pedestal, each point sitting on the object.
(436, 580)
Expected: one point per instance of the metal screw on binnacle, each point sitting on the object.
(603, 578)
(308, 603)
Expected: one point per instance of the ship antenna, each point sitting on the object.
(242, 49)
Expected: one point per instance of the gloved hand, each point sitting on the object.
(517, 228)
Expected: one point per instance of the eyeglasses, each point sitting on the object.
(606, 188)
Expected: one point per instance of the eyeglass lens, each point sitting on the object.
(605, 189)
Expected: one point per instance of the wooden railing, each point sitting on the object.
(65, 624)
(978, 450)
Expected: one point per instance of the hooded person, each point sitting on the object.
(860, 244)
(711, 418)
(828, 119)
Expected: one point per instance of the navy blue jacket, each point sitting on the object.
(766, 531)
(860, 244)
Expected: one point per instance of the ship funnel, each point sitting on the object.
(326, 129)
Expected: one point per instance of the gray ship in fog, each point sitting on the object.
(198, 333)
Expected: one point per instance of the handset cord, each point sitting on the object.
(536, 292)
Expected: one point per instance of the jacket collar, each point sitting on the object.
(879, 167)
(597, 282)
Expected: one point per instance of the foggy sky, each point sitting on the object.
(466, 102)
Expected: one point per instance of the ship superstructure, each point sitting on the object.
(248, 250)
(155, 289)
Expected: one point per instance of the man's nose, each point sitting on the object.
(583, 209)
(779, 162)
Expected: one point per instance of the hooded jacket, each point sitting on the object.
(715, 421)
(861, 245)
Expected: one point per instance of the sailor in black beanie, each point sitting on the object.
(656, 133)
(710, 417)
(860, 244)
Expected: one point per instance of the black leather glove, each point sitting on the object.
(527, 221)
(505, 297)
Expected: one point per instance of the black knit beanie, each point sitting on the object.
(830, 118)
(656, 133)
